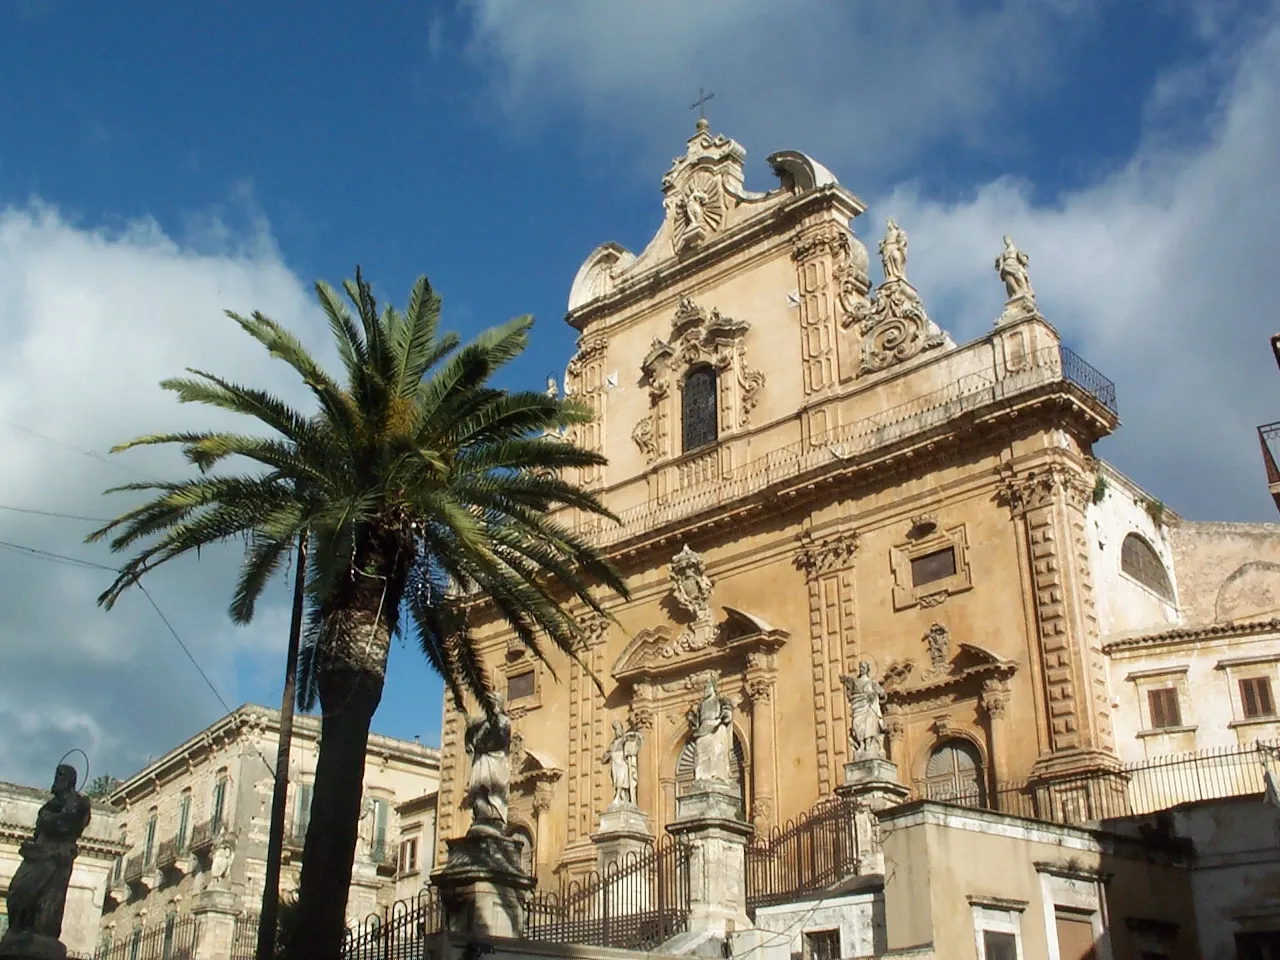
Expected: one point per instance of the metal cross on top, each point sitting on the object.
(700, 103)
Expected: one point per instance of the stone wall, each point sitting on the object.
(1228, 571)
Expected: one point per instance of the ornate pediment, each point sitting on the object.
(658, 653)
(971, 666)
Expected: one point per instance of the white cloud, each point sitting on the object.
(92, 320)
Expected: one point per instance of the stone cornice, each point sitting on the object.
(96, 847)
(1181, 635)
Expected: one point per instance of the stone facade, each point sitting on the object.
(195, 822)
(416, 842)
(854, 486)
(99, 848)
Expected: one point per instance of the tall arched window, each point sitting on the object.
(954, 774)
(1139, 560)
(698, 408)
(737, 773)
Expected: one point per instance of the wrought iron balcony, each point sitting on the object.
(203, 835)
(1269, 437)
(133, 869)
(1087, 378)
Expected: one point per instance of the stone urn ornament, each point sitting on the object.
(37, 895)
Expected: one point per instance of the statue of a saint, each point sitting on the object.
(694, 208)
(893, 252)
(553, 388)
(866, 697)
(37, 893)
(711, 724)
(622, 760)
(488, 743)
(1012, 267)
(224, 855)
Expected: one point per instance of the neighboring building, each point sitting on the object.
(417, 844)
(195, 823)
(99, 849)
(807, 479)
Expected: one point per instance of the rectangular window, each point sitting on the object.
(933, 566)
(302, 816)
(999, 946)
(148, 851)
(1255, 697)
(184, 822)
(520, 686)
(1262, 945)
(409, 855)
(1164, 708)
(822, 945)
(1075, 938)
(219, 804)
(119, 866)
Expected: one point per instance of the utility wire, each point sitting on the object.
(53, 513)
(60, 558)
(92, 455)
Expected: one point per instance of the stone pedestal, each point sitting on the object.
(624, 829)
(362, 897)
(707, 818)
(872, 784)
(482, 885)
(216, 912)
(31, 946)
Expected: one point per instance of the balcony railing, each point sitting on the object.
(1087, 378)
(134, 868)
(380, 852)
(1269, 437)
(203, 834)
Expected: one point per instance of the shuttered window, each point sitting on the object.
(1164, 708)
(1255, 697)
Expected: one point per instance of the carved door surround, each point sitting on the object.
(698, 337)
(920, 710)
(662, 673)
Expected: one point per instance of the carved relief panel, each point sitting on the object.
(585, 382)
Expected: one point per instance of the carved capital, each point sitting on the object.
(542, 791)
(995, 697)
(1037, 488)
(894, 727)
(762, 813)
(760, 689)
(822, 556)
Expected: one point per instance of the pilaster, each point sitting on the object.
(215, 912)
(762, 676)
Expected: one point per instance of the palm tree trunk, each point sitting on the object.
(275, 837)
(351, 668)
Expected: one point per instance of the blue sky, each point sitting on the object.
(164, 162)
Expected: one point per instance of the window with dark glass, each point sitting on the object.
(148, 851)
(520, 686)
(184, 822)
(219, 803)
(1255, 697)
(698, 408)
(1164, 708)
(933, 566)
(1139, 560)
(998, 945)
(822, 944)
(302, 816)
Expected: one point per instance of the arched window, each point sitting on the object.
(525, 841)
(954, 774)
(1139, 560)
(685, 763)
(698, 408)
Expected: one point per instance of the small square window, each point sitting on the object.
(1163, 704)
(997, 945)
(822, 945)
(933, 566)
(1255, 697)
(520, 686)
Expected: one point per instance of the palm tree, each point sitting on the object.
(420, 487)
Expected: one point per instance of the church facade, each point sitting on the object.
(810, 475)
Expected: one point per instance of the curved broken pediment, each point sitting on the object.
(599, 273)
(657, 653)
(799, 172)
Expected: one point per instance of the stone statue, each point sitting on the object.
(711, 724)
(488, 743)
(694, 208)
(867, 730)
(553, 388)
(893, 252)
(1012, 267)
(37, 893)
(223, 856)
(622, 760)
(365, 828)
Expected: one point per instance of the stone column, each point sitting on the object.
(995, 701)
(215, 912)
(761, 676)
(483, 886)
(707, 819)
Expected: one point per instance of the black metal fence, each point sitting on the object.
(175, 939)
(1135, 789)
(636, 903)
(804, 855)
(398, 932)
(244, 942)
(1087, 378)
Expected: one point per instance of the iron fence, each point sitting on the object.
(636, 903)
(1135, 789)
(244, 942)
(804, 855)
(398, 932)
(1087, 378)
(175, 939)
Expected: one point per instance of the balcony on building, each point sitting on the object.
(1269, 437)
(174, 855)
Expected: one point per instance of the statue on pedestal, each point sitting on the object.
(622, 758)
(488, 743)
(37, 893)
(1011, 265)
(711, 724)
(893, 252)
(866, 699)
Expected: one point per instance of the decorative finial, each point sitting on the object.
(700, 106)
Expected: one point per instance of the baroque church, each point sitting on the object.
(810, 476)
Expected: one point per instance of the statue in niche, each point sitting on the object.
(695, 209)
(37, 894)
(622, 759)
(866, 703)
(1012, 267)
(893, 252)
(488, 742)
(711, 724)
